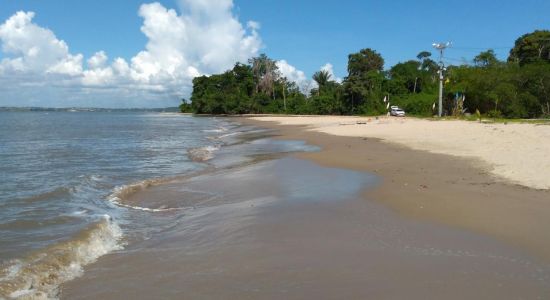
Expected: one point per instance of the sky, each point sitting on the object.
(136, 53)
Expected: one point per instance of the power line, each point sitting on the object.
(482, 48)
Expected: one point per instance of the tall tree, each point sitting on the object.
(364, 61)
(322, 77)
(408, 74)
(423, 55)
(531, 47)
(363, 85)
(265, 72)
(486, 59)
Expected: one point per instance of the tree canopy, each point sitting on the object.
(531, 48)
(517, 88)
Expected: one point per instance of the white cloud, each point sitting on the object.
(98, 60)
(69, 65)
(330, 69)
(33, 48)
(205, 38)
(299, 77)
(292, 74)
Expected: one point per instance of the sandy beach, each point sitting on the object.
(488, 178)
(517, 153)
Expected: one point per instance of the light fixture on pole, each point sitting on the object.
(441, 47)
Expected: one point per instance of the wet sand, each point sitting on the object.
(436, 187)
(514, 152)
(320, 225)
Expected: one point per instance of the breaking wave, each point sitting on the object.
(39, 275)
(121, 193)
(202, 154)
(220, 129)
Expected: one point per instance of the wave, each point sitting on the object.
(39, 275)
(229, 134)
(30, 224)
(121, 193)
(85, 181)
(202, 154)
(147, 209)
(125, 191)
(217, 130)
(56, 193)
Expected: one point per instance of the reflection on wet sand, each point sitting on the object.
(290, 229)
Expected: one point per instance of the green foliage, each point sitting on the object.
(185, 107)
(486, 59)
(513, 91)
(423, 55)
(519, 88)
(364, 61)
(322, 77)
(227, 93)
(494, 113)
(410, 75)
(363, 87)
(416, 104)
(530, 48)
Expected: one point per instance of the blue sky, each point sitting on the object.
(305, 34)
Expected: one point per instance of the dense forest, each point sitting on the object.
(516, 88)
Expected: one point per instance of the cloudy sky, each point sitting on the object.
(134, 53)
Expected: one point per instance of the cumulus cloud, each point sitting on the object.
(330, 69)
(32, 48)
(98, 60)
(204, 38)
(293, 74)
(299, 77)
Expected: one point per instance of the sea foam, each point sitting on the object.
(39, 275)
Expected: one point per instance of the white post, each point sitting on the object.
(440, 92)
(441, 47)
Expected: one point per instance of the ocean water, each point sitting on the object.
(64, 178)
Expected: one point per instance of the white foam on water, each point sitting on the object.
(39, 275)
(122, 192)
(147, 209)
(229, 134)
(218, 130)
(203, 154)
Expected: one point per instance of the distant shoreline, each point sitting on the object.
(86, 109)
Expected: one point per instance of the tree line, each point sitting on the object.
(516, 88)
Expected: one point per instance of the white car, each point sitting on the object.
(396, 111)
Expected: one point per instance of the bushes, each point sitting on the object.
(416, 104)
(505, 89)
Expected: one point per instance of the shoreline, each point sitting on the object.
(303, 225)
(440, 188)
(514, 153)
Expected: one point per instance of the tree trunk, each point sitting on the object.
(284, 96)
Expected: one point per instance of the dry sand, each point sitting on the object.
(518, 153)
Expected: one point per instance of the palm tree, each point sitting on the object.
(322, 77)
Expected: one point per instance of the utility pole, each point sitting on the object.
(441, 47)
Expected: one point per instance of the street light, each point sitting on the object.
(441, 47)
